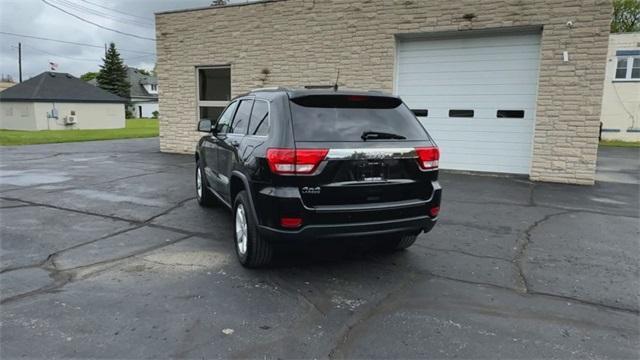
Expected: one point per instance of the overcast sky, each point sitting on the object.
(35, 18)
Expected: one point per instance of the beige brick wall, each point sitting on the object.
(306, 41)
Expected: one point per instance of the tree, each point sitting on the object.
(88, 76)
(113, 74)
(144, 72)
(626, 16)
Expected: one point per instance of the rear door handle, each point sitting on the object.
(235, 143)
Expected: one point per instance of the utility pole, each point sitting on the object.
(105, 50)
(20, 61)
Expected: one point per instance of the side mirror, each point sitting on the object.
(204, 125)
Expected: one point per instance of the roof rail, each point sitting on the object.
(311, 87)
(271, 88)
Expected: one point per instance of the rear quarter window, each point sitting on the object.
(347, 117)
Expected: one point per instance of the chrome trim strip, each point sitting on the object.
(372, 153)
(392, 205)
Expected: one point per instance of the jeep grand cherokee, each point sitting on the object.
(296, 165)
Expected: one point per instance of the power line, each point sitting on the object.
(98, 25)
(60, 56)
(71, 42)
(116, 11)
(99, 59)
(93, 12)
(84, 10)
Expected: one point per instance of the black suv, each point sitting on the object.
(298, 165)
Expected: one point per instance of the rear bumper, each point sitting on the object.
(349, 221)
(389, 227)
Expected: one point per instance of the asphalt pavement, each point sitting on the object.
(105, 253)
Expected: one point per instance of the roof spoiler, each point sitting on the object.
(272, 88)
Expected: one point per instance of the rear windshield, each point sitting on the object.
(348, 117)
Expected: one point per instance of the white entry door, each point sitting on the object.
(480, 96)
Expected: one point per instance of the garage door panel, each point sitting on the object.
(517, 101)
(441, 112)
(439, 81)
(471, 43)
(492, 51)
(487, 157)
(469, 89)
(441, 137)
(503, 77)
(488, 133)
(477, 125)
(470, 67)
(471, 124)
(497, 146)
(473, 100)
(430, 58)
(437, 114)
(483, 74)
(512, 167)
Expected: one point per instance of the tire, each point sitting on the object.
(203, 195)
(252, 249)
(406, 241)
(399, 243)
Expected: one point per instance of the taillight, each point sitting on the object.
(295, 161)
(434, 211)
(290, 223)
(428, 157)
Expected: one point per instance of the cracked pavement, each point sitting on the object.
(105, 253)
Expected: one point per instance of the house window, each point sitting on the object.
(214, 91)
(628, 65)
(621, 69)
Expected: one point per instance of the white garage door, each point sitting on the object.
(480, 95)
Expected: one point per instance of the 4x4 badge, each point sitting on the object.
(310, 190)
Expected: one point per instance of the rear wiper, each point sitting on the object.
(380, 135)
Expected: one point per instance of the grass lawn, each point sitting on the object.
(620, 143)
(135, 128)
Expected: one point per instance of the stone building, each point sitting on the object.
(509, 86)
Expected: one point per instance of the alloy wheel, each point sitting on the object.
(241, 229)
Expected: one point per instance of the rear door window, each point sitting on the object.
(348, 117)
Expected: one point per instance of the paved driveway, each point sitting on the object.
(106, 254)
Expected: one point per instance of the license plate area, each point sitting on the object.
(371, 171)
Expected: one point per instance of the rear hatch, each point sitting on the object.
(372, 146)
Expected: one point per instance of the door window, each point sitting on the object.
(259, 119)
(241, 120)
(224, 122)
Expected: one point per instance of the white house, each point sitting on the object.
(143, 99)
(620, 116)
(59, 101)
